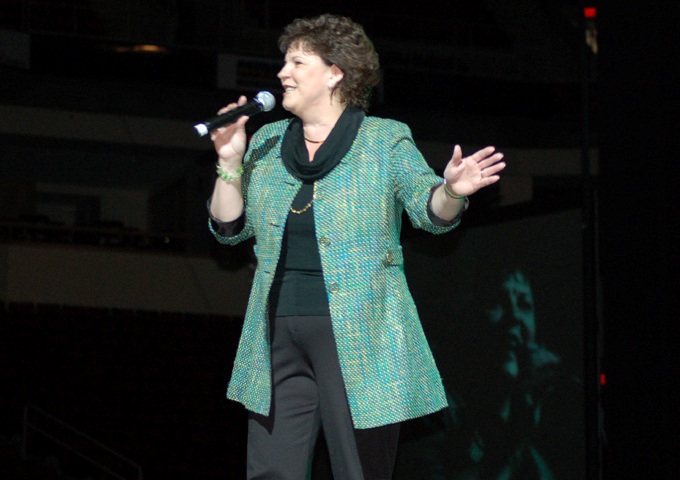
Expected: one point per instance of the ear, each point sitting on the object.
(336, 75)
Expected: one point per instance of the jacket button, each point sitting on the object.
(389, 258)
(333, 287)
(324, 241)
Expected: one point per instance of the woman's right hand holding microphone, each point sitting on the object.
(230, 141)
(230, 144)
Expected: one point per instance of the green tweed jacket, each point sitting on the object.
(388, 368)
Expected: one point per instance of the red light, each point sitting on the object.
(590, 12)
(603, 380)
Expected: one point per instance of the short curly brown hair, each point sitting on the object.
(338, 41)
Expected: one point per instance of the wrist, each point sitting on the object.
(229, 175)
(451, 194)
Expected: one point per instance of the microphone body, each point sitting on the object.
(263, 102)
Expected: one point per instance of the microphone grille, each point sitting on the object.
(265, 99)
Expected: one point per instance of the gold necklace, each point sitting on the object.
(314, 141)
(306, 207)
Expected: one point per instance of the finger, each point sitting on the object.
(241, 121)
(242, 100)
(229, 107)
(495, 168)
(483, 154)
(490, 180)
(490, 174)
(480, 155)
(457, 155)
(488, 161)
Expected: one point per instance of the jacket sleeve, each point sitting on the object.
(241, 229)
(413, 180)
(225, 229)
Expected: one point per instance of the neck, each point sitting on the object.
(317, 128)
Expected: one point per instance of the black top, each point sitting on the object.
(299, 287)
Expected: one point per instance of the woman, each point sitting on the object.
(331, 337)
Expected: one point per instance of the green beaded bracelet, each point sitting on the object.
(228, 176)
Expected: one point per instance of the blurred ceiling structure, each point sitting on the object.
(476, 70)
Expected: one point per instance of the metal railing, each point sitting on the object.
(104, 459)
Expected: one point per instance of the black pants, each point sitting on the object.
(309, 395)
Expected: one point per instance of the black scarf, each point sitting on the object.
(335, 147)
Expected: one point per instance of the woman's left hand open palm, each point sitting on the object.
(464, 176)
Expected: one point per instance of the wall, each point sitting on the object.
(107, 278)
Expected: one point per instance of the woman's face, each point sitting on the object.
(513, 322)
(307, 81)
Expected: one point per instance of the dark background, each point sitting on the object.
(638, 138)
(630, 226)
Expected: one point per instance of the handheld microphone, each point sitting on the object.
(263, 102)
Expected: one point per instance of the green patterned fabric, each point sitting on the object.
(388, 368)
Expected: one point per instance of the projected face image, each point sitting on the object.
(512, 318)
(511, 351)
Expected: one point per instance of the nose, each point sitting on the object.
(283, 73)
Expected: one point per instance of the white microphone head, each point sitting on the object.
(265, 99)
(201, 129)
